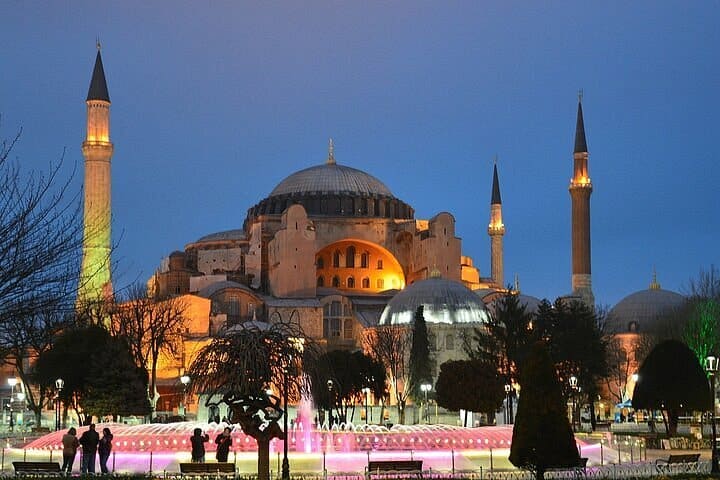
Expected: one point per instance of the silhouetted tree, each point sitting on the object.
(238, 368)
(100, 375)
(390, 346)
(420, 361)
(542, 437)
(672, 380)
(469, 385)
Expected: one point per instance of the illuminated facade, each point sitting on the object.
(95, 282)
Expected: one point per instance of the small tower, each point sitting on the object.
(95, 282)
(496, 230)
(580, 190)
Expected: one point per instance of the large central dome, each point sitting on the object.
(332, 190)
(331, 178)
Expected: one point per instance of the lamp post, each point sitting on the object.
(330, 403)
(508, 403)
(285, 462)
(12, 381)
(573, 386)
(711, 365)
(425, 388)
(366, 392)
(59, 384)
(185, 380)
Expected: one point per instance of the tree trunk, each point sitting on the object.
(263, 459)
(672, 422)
(540, 474)
(593, 420)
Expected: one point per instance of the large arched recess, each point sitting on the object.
(358, 266)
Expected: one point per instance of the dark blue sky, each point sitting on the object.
(215, 102)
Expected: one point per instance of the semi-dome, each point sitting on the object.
(640, 311)
(331, 178)
(444, 302)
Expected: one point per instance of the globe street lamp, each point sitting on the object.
(330, 402)
(12, 381)
(185, 380)
(508, 404)
(711, 365)
(574, 387)
(59, 384)
(425, 388)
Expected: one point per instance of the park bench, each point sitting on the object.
(376, 467)
(686, 462)
(36, 468)
(207, 469)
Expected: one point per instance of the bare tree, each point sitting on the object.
(390, 345)
(151, 326)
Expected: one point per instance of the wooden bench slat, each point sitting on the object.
(36, 467)
(213, 468)
(376, 466)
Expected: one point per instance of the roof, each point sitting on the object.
(211, 290)
(331, 178)
(291, 302)
(236, 234)
(495, 199)
(641, 311)
(444, 301)
(98, 87)
(580, 142)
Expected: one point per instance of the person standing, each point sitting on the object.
(104, 448)
(89, 441)
(197, 441)
(223, 440)
(70, 445)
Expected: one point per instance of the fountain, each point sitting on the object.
(345, 448)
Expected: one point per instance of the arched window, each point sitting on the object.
(366, 282)
(321, 281)
(364, 260)
(379, 264)
(320, 263)
(336, 259)
(336, 281)
(449, 342)
(380, 283)
(350, 257)
(351, 282)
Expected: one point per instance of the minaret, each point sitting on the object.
(496, 230)
(95, 282)
(580, 190)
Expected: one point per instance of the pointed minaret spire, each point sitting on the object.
(331, 153)
(496, 230)
(580, 142)
(98, 87)
(580, 189)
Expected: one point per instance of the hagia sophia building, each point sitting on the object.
(333, 248)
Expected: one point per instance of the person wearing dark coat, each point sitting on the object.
(70, 445)
(224, 440)
(104, 448)
(89, 441)
(197, 441)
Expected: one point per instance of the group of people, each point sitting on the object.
(198, 440)
(92, 444)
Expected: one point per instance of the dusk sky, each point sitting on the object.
(214, 103)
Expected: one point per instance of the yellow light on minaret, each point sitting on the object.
(95, 280)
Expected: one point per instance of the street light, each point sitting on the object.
(508, 403)
(574, 387)
(184, 379)
(12, 381)
(59, 384)
(330, 402)
(711, 365)
(426, 387)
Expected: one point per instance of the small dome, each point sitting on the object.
(639, 311)
(331, 178)
(444, 301)
(236, 234)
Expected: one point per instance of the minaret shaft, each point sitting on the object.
(496, 230)
(95, 279)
